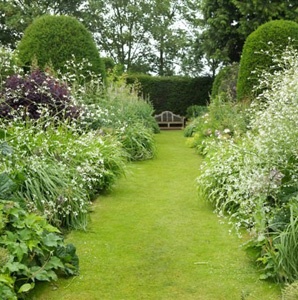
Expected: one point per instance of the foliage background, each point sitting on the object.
(174, 93)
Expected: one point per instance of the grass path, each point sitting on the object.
(151, 238)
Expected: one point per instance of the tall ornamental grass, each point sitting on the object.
(59, 168)
(254, 179)
(63, 141)
(115, 108)
(57, 164)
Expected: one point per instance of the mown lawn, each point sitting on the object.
(152, 238)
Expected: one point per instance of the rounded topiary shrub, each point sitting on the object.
(226, 82)
(267, 40)
(54, 40)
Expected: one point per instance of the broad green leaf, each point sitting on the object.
(20, 250)
(44, 275)
(51, 240)
(26, 287)
(51, 228)
(32, 244)
(26, 234)
(7, 186)
(54, 263)
(16, 267)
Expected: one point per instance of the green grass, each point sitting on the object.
(152, 238)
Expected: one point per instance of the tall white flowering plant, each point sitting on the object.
(255, 180)
(56, 163)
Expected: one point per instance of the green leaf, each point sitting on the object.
(20, 250)
(7, 186)
(5, 149)
(43, 275)
(26, 287)
(26, 234)
(32, 244)
(69, 259)
(16, 267)
(54, 263)
(51, 240)
(3, 134)
(7, 279)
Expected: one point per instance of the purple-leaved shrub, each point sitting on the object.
(30, 94)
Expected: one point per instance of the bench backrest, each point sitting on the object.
(168, 116)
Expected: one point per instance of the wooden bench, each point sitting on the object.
(168, 120)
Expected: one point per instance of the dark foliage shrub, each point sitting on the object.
(174, 93)
(55, 40)
(269, 39)
(226, 82)
(30, 93)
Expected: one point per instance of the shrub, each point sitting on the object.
(54, 40)
(32, 93)
(269, 38)
(223, 120)
(49, 190)
(255, 180)
(195, 111)
(226, 82)
(60, 167)
(31, 250)
(122, 112)
(137, 141)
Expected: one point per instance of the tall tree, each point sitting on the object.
(167, 36)
(220, 38)
(138, 34)
(118, 28)
(16, 15)
(257, 12)
(225, 24)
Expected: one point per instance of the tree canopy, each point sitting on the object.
(162, 37)
(227, 23)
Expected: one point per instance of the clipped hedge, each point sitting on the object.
(55, 40)
(270, 37)
(174, 93)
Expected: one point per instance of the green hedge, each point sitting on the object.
(174, 93)
(270, 37)
(54, 40)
